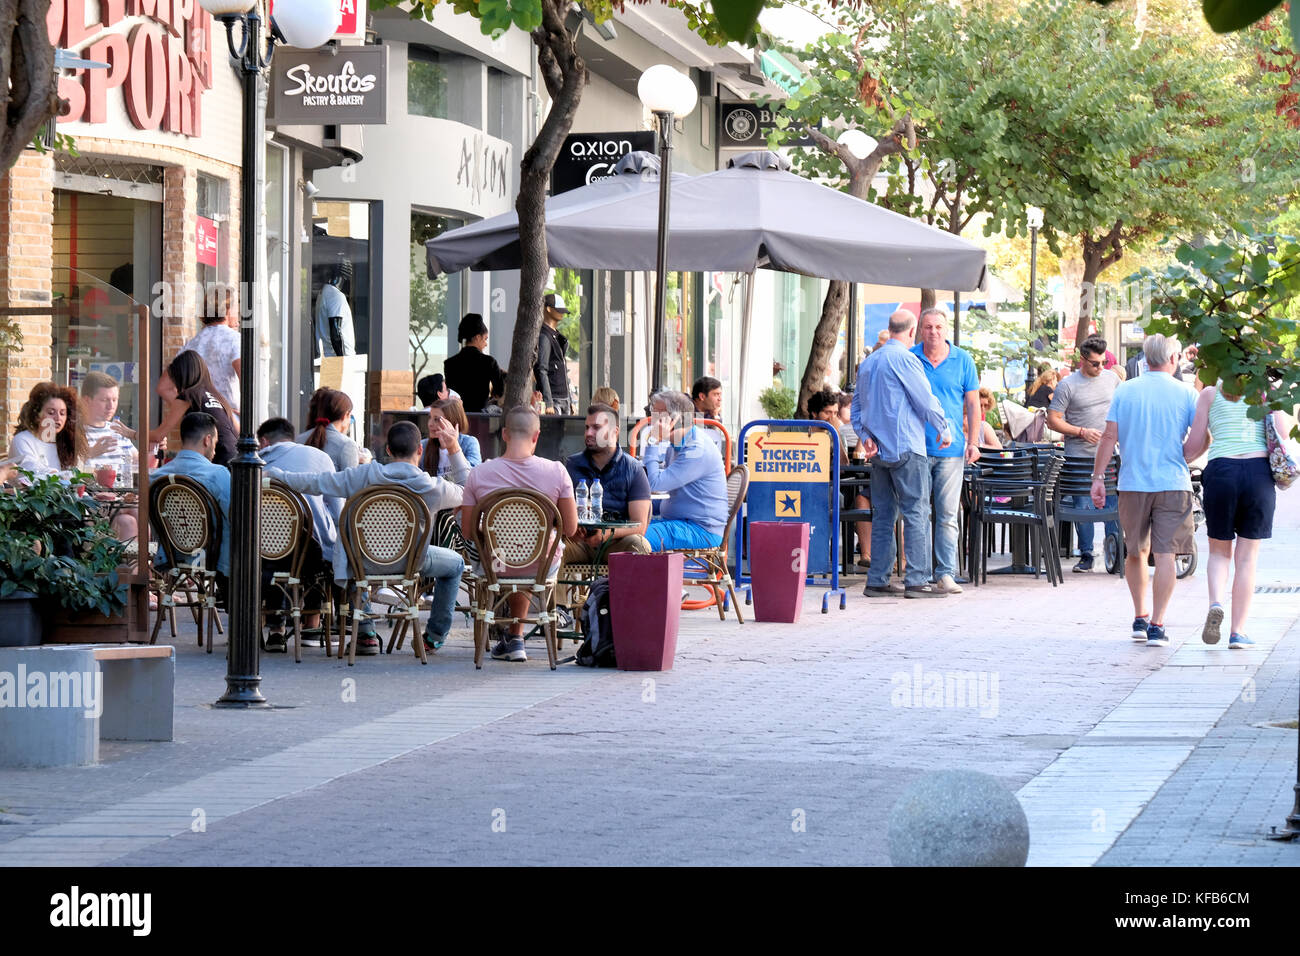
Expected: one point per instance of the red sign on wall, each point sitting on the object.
(205, 241)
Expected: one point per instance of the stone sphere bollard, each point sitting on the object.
(958, 818)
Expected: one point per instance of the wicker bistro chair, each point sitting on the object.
(286, 540)
(709, 565)
(384, 531)
(514, 529)
(187, 521)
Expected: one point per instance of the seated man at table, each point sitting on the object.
(276, 445)
(625, 490)
(520, 469)
(194, 460)
(441, 565)
(686, 465)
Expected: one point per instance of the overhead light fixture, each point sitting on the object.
(309, 188)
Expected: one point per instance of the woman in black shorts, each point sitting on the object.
(1239, 494)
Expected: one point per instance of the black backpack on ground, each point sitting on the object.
(597, 649)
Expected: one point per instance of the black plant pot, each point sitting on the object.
(20, 620)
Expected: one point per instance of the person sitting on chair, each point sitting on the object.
(681, 462)
(199, 439)
(443, 566)
(626, 491)
(520, 468)
(276, 445)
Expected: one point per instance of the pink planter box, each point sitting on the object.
(778, 562)
(645, 599)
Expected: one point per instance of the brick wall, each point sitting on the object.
(26, 279)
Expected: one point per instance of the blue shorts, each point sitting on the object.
(1239, 498)
(665, 534)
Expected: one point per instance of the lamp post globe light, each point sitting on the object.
(667, 93)
(300, 23)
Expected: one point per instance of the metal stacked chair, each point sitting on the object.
(384, 531)
(1076, 479)
(708, 566)
(1016, 490)
(187, 521)
(514, 530)
(286, 540)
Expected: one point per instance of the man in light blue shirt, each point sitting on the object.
(955, 382)
(194, 460)
(892, 404)
(1150, 417)
(688, 466)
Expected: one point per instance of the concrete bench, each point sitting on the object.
(57, 701)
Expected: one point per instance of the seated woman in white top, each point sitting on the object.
(49, 438)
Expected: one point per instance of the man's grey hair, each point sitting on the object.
(1159, 350)
(521, 421)
(901, 321)
(679, 403)
(943, 316)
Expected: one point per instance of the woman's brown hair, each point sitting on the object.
(325, 407)
(189, 373)
(71, 441)
(454, 412)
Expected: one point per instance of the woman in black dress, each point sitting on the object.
(185, 387)
(471, 372)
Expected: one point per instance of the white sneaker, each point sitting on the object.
(947, 585)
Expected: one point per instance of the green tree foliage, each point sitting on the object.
(1230, 298)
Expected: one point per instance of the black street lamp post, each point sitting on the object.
(309, 24)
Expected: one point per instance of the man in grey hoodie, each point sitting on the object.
(444, 567)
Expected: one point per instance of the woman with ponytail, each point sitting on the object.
(328, 415)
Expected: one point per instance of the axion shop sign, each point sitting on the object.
(588, 157)
(162, 61)
(347, 87)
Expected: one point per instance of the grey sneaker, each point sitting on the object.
(1239, 642)
(1156, 636)
(925, 591)
(509, 649)
(884, 590)
(1213, 620)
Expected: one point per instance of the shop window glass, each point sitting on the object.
(426, 83)
(435, 303)
(340, 254)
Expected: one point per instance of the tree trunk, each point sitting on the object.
(1098, 255)
(861, 172)
(929, 299)
(28, 88)
(565, 75)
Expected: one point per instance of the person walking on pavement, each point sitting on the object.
(550, 371)
(1078, 411)
(955, 382)
(1150, 416)
(891, 407)
(1240, 496)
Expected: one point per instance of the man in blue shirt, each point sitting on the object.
(955, 382)
(687, 465)
(625, 488)
(1150, 417)
(891, 407)
(194, 460)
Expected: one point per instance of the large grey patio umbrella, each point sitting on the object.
(494, 243)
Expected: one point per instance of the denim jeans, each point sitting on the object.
(945, 481)
(444, 567)
(900, 487)
(1085, 531)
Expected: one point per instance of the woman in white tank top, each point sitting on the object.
(1239, 496)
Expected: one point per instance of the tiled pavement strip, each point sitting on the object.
(705, 764)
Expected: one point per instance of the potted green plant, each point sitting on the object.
(778, 401)
(56, 545)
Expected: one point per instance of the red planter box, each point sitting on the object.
(778, 562)
(645, 600)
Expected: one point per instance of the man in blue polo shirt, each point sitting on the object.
(682, 462)
(955, 382)
(623, 481)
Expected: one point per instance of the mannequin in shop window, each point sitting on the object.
(334, 333)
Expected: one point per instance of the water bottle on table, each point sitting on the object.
(582, 498)
(597, 500)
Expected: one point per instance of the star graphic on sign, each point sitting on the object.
(788, 503)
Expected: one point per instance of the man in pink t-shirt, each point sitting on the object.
(520, 469)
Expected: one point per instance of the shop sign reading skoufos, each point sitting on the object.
(162, 62)
(347, 87)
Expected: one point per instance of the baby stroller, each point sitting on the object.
(1184, 564)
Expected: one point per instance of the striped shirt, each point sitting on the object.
(1233, 432)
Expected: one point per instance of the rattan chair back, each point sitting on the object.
(385, 530)
(186, 519)
(514, 529)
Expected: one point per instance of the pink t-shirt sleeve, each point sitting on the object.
(563, 484)
(470, 495)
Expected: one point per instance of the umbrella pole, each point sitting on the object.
(661, 257)
(746, 325)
